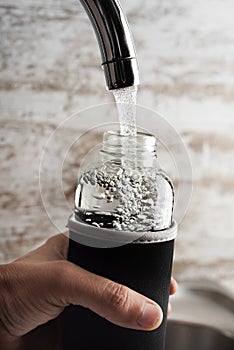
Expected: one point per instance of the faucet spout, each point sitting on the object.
(115, 40)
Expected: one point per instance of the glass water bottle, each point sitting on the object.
(125, 189)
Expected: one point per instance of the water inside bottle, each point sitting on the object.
(124, 199)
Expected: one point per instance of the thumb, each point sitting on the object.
(115, 302)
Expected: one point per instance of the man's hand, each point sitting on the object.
(37, 287)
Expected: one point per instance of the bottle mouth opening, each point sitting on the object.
(141, 139)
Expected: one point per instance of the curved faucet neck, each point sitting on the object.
(115, 41)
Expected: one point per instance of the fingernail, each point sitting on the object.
(151, 316)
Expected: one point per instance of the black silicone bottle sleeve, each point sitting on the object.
(144, 267)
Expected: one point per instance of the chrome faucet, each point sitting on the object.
(115, 40)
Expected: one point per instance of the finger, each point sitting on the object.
(116, 303)
(173, 286)
(169, 309)
(57, 244)
(55, 248)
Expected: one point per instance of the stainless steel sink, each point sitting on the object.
(202, 318)
(188, 336)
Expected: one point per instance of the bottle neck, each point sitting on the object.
(135, 151)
